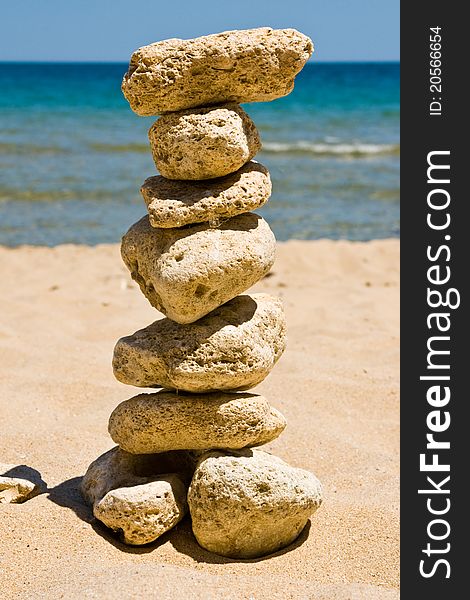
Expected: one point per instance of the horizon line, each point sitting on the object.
(120, 62)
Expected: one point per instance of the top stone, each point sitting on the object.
(252, 65)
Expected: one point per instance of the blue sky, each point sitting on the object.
(109, 30)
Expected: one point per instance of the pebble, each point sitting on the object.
(188, 272)
(249, 503)
(203, 143)
(166, 421)
(176, 203)
(252, 65)
(233, 348)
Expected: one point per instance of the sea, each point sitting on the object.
(73, 155)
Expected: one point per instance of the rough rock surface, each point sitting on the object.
(188, 272)
(17, 485)
(233, 348)
(252, 65)
(203, 143)
(117, 468)
(177, 203)
(248, 503)
(167, 421)
(142, 513)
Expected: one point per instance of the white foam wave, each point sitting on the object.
(340, 149)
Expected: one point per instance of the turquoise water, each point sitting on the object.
(73, 155)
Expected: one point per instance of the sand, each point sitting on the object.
(62, 310)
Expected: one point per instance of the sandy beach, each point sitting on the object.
(63, 309)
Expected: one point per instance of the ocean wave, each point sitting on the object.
(322, 149)
(20, 148)
(101, 147)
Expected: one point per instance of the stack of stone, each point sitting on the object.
(198, 248)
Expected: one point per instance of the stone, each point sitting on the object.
(233, 348)
(14, 490)
(165, 421)
(188, 272)
(117, 468)
(203, 143)
(142, 513)
(253, 65)
(177, 203)
(248, 503)
(142, 496)
(19, 483)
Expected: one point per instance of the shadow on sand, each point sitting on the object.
(183, 540)
(68, 495)
(181, 537)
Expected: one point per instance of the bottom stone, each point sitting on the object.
(142, 513)
(140, 496)
(248, 503)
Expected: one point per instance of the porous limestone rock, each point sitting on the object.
(142, 496)
(188, 272)
(253, 65)
(117, 468)
(233, 348)
(177, 203)
(14, 490)
(17, 485)
(168, 421)
(203, 143)
(142, 513)
(248, 503)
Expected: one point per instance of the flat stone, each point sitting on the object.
(117, 468)
(253, 65)
(167, 421)
(177, 203)
(249, 503)
(203, 143)
(19, 483)
(188, 272)
(233, 348)
(142, 513)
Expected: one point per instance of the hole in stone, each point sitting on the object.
(262, 488)
(201, 290)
